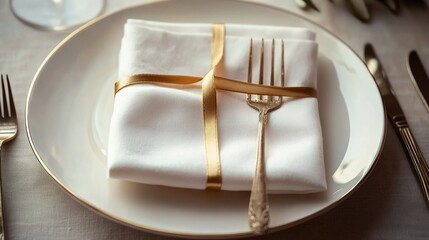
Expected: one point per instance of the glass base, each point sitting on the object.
(56, 14)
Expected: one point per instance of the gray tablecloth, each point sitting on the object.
(389, 205)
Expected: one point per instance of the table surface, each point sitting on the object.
(389, 205)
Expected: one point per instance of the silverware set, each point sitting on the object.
(8, 131)
(395, 113)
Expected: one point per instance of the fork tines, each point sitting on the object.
(8, 106)
(261, 70)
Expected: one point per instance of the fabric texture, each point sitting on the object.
(156, 134)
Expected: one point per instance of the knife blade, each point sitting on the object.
(398, 120)
(419, 77)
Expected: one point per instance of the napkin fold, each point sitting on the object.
(156, 132)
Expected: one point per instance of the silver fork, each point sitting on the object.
(259, 216)
(8, 130)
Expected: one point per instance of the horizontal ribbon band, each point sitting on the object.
(220, 83)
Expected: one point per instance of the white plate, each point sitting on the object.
(70, 100)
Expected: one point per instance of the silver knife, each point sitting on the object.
(399, 122)
(419, 77)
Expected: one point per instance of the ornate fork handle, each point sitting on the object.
(259, 214)
(258, 205)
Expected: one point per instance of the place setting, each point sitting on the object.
(150, 139)
(213, 119)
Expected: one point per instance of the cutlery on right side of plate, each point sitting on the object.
(398, 120)
(419, 77)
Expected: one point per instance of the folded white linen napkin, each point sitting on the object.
(156, 132)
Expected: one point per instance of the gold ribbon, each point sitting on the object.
(210, 83)
(211, 142)
(219, 83)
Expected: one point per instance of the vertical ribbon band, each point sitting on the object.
(211, 142)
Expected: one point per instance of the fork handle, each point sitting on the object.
(2, 229)
(259, 216)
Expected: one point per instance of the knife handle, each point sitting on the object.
(415, 155)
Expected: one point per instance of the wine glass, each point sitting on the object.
(56, 14)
